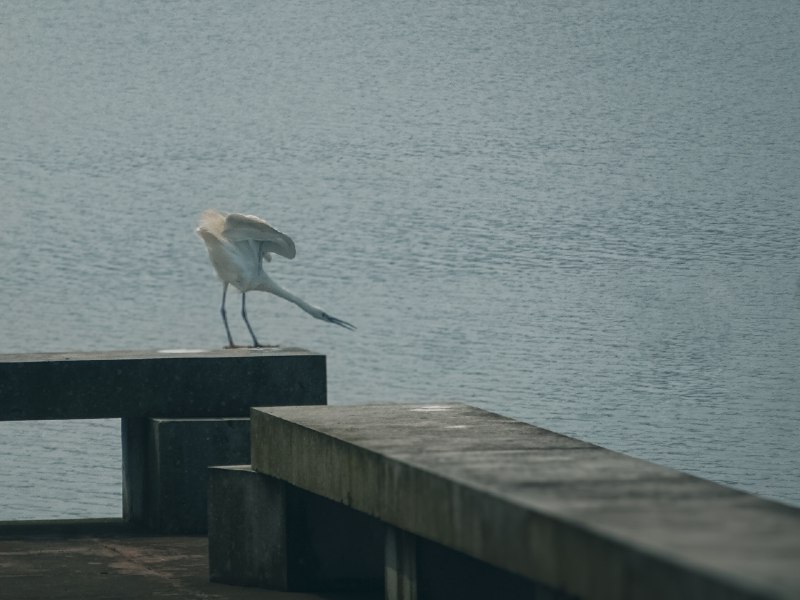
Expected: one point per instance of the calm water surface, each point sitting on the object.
(584, 215)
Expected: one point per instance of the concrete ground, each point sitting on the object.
(107, 563)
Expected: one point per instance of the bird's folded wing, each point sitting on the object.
(240, 228)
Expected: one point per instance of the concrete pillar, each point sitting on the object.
(165, 468)
(134, 467)
(400, 573)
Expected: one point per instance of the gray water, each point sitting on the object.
(580, 214)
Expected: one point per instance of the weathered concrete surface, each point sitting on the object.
(265, 532)
(577, 517)
(203, 383)
(117, 563)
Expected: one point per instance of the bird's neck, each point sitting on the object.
(265, 284)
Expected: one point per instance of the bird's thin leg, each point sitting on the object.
(225, 317)
(246, 322)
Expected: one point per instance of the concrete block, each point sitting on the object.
(266, 533)
(179, 452)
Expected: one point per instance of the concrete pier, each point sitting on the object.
(428, 501)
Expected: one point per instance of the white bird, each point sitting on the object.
(237, 245)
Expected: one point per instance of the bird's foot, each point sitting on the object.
(232, 346)
(268, 346)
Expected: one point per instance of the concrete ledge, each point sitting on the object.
(576, 517)
(207, 383)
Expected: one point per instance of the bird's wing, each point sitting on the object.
(240, 228)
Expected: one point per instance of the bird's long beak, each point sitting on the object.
(339, 322)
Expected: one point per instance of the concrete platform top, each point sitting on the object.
(576, 516)
(178, 383)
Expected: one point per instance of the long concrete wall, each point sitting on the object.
(580, 519)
